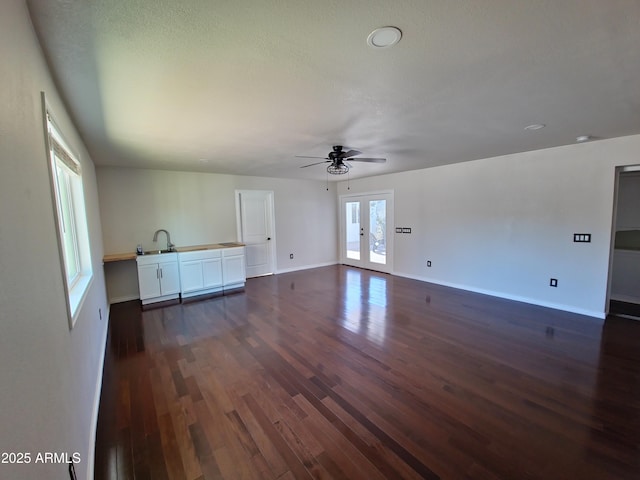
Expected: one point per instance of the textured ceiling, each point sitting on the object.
(243, 86)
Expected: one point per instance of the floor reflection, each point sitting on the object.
(616, 409)
(365, 317)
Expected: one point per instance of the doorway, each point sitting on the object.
(624, 276)
(366, 222)
(256, 229)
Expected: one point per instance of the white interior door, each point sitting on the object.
(254, 209)
(365, 229)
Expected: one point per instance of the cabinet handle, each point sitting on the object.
(157, 273)
(160, 273)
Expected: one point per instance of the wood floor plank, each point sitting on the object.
(347, 458)
(294, 464)
(298, 445)
(157, 462)
(212, 391)
(171, 453)
(259, 436)
(387, 460)
(159, 398)
(230, 467)
(341, 373)
(227, 445)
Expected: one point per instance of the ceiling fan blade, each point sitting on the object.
(305, 156)
(317, 163)
(369, 160)
(350, 153)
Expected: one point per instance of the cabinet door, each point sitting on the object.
(212, 272)
(191, 276)
(169, 278)
(148, 281)
(233, 270)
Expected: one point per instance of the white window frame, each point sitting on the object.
(70, 216)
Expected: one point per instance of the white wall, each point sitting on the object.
(199, 208)
(504, 226)
(48, 373)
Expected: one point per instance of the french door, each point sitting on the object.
(365, 231)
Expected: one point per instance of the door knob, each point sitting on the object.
(268, 238)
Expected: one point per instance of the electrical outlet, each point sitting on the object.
(553, 282)
(428, 263)
(291, 256)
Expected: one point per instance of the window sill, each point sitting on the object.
(77, 294)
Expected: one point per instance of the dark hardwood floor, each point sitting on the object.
(350, 374)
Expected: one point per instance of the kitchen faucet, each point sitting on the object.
(169, 244)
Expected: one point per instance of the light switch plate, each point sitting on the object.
(582, 237)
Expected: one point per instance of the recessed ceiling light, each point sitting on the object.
(384, 37)
(583, 138)
(535, 126)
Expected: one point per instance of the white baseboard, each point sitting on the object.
(517, 298)
(305, 267)
(96, 403)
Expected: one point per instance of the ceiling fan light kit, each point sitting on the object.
(337, 169)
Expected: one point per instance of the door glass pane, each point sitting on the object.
(352, 227)
(378, 231)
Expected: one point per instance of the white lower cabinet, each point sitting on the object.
(233, 268)
(190, 276)
(158, 277)
(209, 271)
(201, 272)
(212, 272)
(168, 276)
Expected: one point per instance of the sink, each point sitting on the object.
(157, 252)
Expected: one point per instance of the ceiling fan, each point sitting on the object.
(337, 157)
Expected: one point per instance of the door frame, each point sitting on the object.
(271, 222)
(619, 170)
(365, 196)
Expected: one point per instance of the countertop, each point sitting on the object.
(120, 257)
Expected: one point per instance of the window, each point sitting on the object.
(71, 220)
(64, 177)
